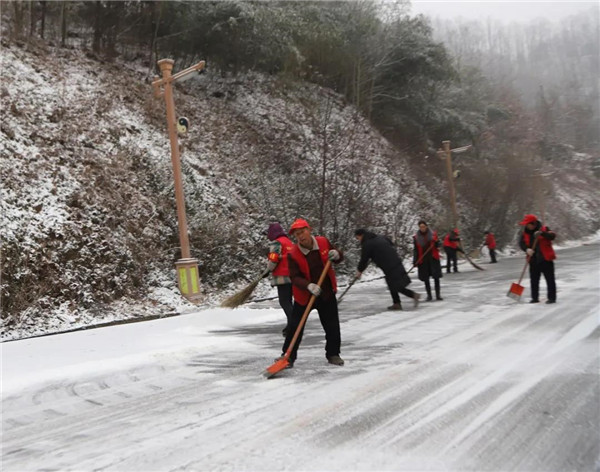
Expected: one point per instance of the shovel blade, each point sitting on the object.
(515, 292)
(277, 367)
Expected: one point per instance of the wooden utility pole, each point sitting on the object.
(450, 176)
(446, 153)
(187, 267)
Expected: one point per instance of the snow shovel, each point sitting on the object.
(516, 290)
(243, 295)
(284, 361)
(347, 288)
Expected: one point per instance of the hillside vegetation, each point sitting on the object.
(89, 229)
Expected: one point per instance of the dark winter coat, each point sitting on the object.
(543, 249)
(382, 252)
(428, 262)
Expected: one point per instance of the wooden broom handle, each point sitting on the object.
(527, 260)
(311, 302)
(421, 258)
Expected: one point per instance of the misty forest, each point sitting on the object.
(329, 111)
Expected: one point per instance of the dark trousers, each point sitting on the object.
(451, 258)
(493, 255)
(437, 288)
(394, 291)
(284, 293)
(535, 273)
(330, 320)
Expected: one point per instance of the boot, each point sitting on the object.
(395, 306)
(438, 296)
(335, 360)
(428, 288)
(416, 298)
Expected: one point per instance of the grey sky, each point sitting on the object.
(503, 10)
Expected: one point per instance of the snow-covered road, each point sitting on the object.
(476, 382)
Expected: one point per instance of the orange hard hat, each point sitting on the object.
(299, 223)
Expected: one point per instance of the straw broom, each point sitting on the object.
(243, 295)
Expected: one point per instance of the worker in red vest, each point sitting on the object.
(426, 257)
(277, 267)
(490, 242)
(451, 246)
(541, 257)
(306, 261)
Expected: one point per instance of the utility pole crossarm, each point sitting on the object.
(159, 82)
(460, 150)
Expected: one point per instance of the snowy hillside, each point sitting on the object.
(87, 209)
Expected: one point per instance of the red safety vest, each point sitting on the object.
(303, 296)
(281, 259)
(434, 250)
(448, 243)
(490, 241)
(544, 244)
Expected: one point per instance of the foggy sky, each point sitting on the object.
(503, 10)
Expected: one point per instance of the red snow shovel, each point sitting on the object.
(516, 290)
(283, 362)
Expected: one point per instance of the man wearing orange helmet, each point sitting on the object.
(306, 261)
(536, 241)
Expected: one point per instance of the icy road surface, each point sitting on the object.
(475, 382)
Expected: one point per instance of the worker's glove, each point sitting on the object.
(314, 289)
(333, 255)
(358, 275)
(271, 266)
(529, 252)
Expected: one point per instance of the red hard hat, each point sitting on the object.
(299, 223)
(528, 219)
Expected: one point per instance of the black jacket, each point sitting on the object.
(382, 252)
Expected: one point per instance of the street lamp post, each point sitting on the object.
(187, 267)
